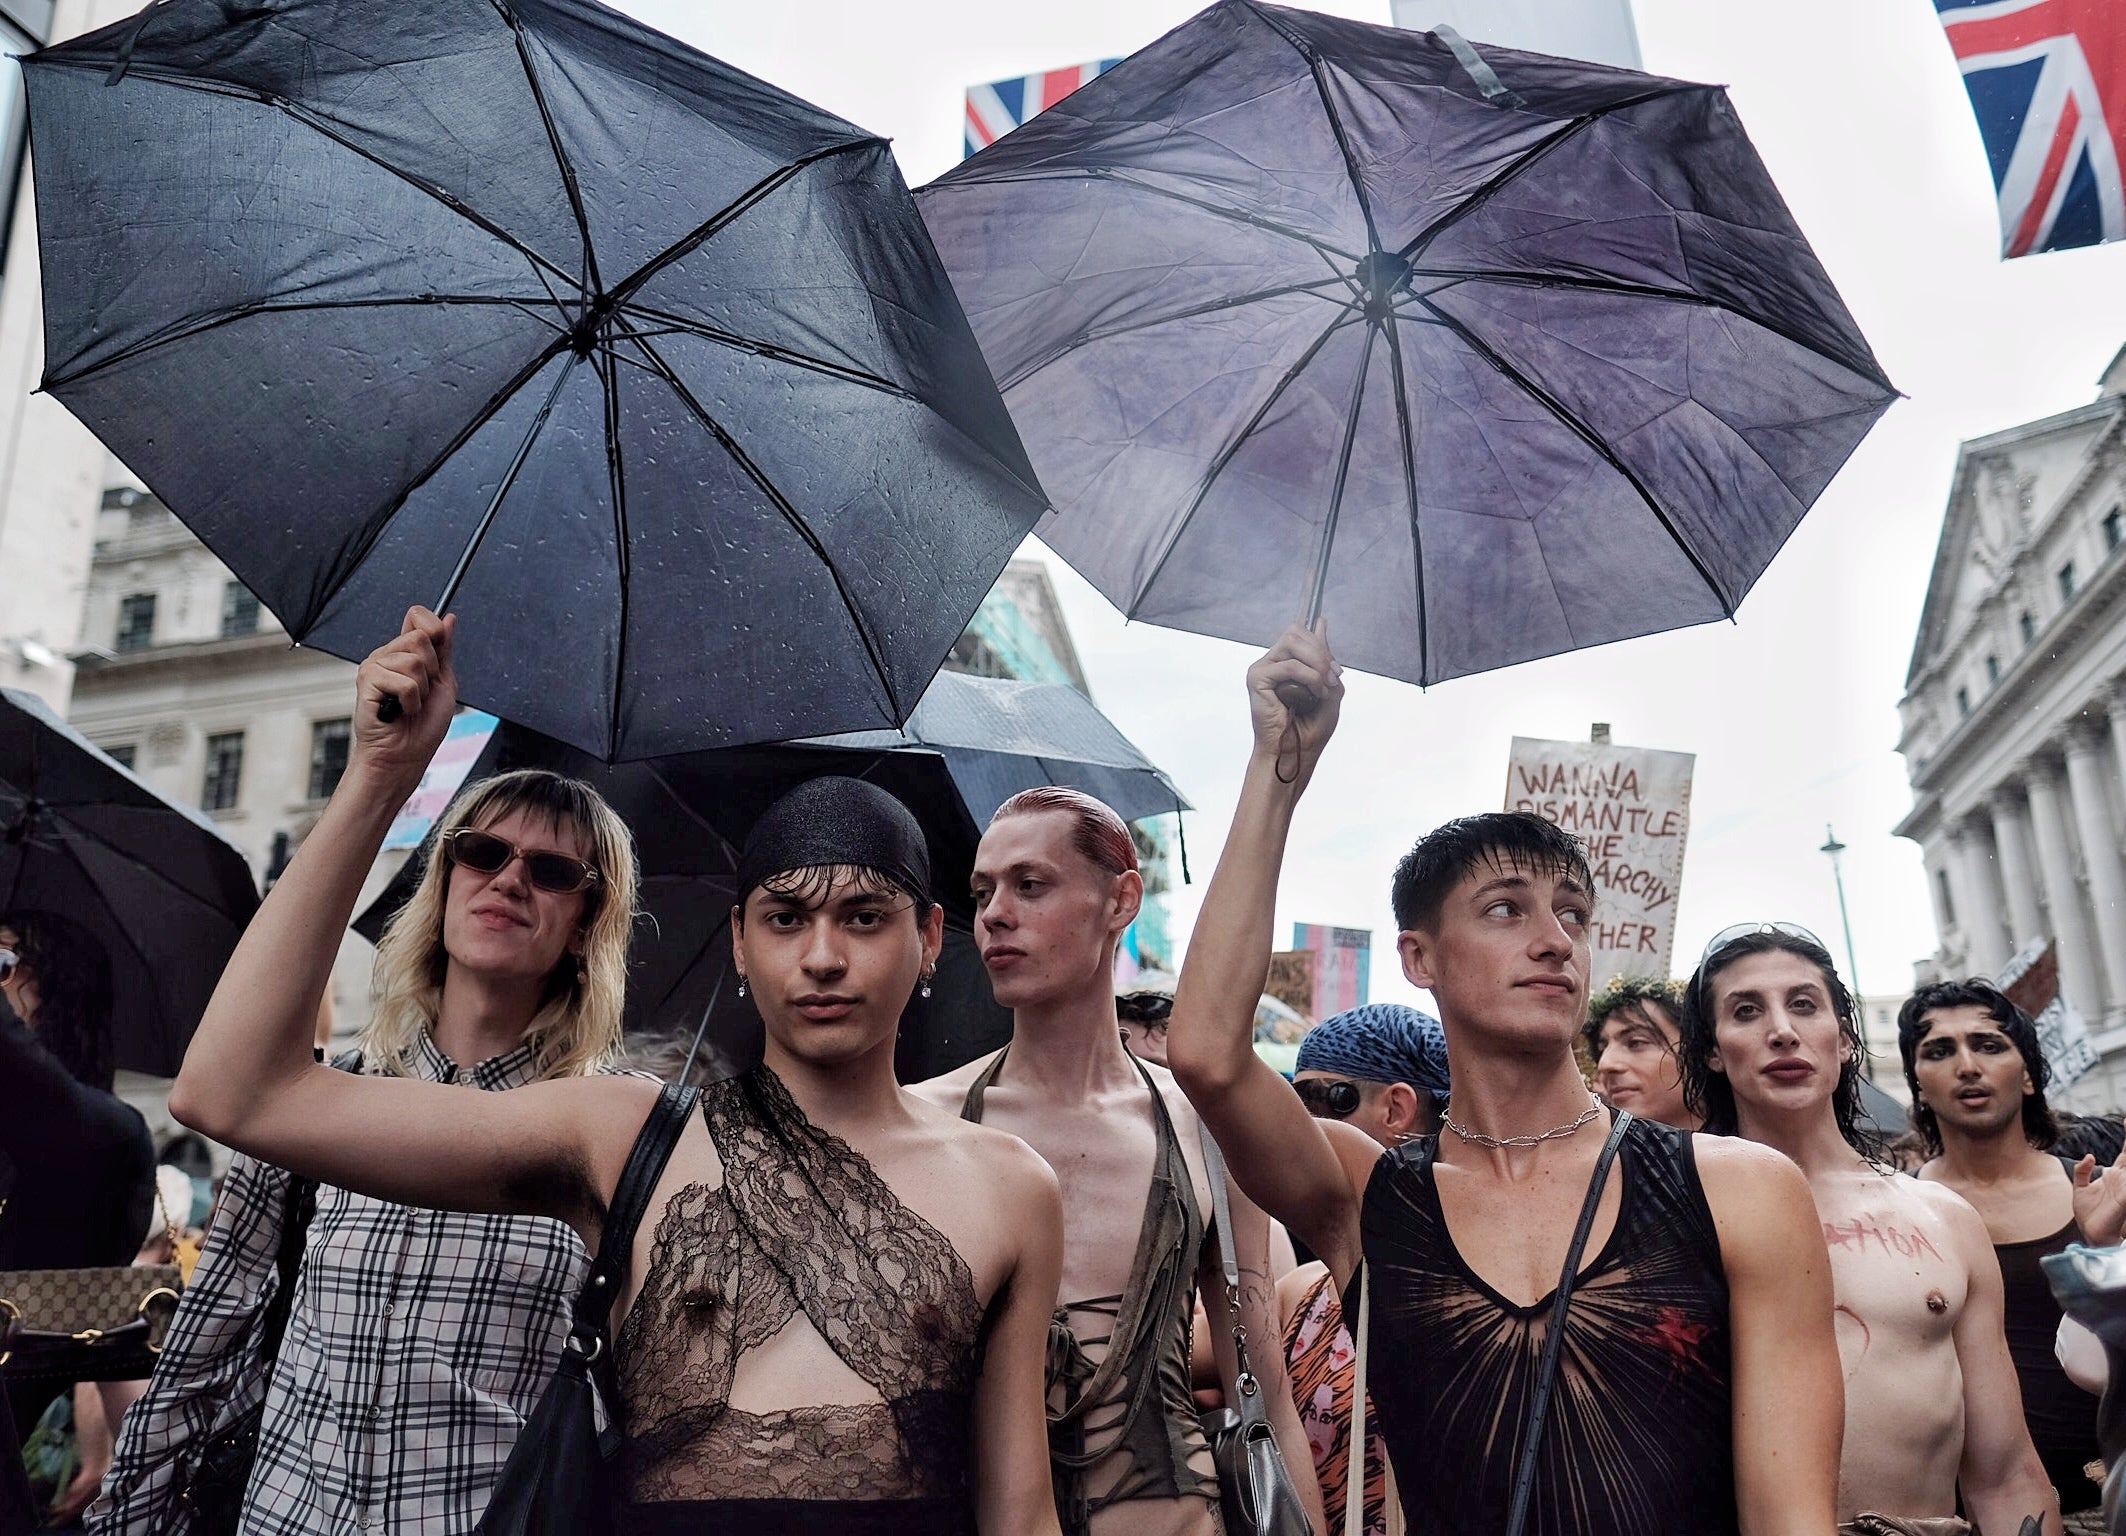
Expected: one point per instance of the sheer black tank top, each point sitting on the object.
(1639, 1441)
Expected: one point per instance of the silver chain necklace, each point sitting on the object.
(1594, 1107)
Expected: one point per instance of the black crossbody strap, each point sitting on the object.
(1228, 1258)
(645, 1166)
(1554, 1337)
(300, 1204)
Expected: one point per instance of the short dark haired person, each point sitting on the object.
(1978, 1076)
(1698, 1389)
(1631, 1034)
(1933, 1423)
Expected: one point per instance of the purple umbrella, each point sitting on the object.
(1488, 356)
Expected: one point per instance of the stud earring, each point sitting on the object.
(741, 986)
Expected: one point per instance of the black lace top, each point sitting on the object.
(801, 1224)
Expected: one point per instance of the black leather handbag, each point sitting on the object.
(555, 1482)
(1254, 1487)
(213, 1495)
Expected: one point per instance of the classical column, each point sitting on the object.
(2011, 835)
(2114, 706)
(2081, 977)
(2087, 748)
(1978, 906)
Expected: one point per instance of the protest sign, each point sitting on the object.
(1630, 806)
(1342, 957)
(2032, 982)
(1291, 982)
(462, 743)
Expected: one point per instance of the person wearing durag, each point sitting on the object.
(1381, 1067)
(898, 1260)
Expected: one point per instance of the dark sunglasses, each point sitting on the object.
(1729, 935)
(1327, 1098)
(486, 854)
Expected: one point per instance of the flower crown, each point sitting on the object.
(1621, 990)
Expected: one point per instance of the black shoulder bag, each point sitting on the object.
(555, 1482)
(213, 1496)
(1254, 1487)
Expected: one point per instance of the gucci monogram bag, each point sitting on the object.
(85, 1324)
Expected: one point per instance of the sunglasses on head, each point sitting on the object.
(483, 853)
(1738, 931)
(1327, 1098)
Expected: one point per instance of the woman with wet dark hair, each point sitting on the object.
(60, 985)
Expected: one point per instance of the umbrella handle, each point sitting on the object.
(388, 708)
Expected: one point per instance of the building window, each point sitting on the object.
(225, 771)
(239, 610)
(328, 756)
(2114, 529)
(2029, 627)
(2067, 582)
(1963, 702)
(136, 621)
(1948, 902)
(123, 756)
(1993, 669)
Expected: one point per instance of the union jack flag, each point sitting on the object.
(2047, 79)
(994, 110)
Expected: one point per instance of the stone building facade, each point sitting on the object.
(2014, 715)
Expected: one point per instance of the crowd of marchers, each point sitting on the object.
(1474, 1293)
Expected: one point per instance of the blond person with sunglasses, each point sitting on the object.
(419, 1340)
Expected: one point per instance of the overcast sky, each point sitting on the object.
(1792, 710)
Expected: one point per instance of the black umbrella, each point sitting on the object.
(1001, 735)
(690, 814)
(1488, 356)
(163, 890)
(645, 367)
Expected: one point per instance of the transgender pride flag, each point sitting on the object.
(994, 110)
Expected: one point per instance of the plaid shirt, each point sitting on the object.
(418, 1343)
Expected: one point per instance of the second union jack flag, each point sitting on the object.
(994, 110)
(2047, 79)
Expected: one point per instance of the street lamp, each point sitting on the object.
(1834, 848)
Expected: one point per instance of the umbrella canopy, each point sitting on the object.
(163, 890)
(1486, 355)
(690, 815)
(1001, 735)
(645, 367)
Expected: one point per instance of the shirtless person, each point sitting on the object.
(1978, 1075)
(836, 1309)
(1055, 885)
(1771, 1052)
(1698, 1386)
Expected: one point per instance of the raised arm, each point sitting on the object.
(1789, 1393)
(2002, 1480)
(1014, 1491)
(250, 1079)
(1275, 1149)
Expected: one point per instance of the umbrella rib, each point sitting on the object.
(1343, 473)
(1316, 69)
(325, 126)
(1588, 435)
(769, 350)
(1225, 456)
(1483, 194)
(185, 330)
(1866, 366)
(688, 243)
(381, 519)
(589, 280)
(781, 503)
(609, 382)
(509, 480)
(1086, 338)
(1417, 537)
(1220, 210)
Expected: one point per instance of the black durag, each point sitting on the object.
(834, 821)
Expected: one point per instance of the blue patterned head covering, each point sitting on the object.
(1379, 1043)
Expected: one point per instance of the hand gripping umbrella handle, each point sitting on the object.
(388, 708)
